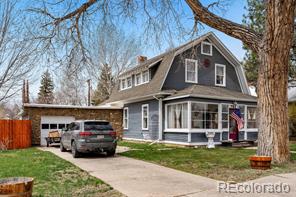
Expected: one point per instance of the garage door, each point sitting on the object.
(51, 123)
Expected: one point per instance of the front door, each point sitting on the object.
(233, 130)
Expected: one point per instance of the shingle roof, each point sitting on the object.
(212, 92)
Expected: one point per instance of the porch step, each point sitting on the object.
(240, 144)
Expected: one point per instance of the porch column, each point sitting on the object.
(160, 119)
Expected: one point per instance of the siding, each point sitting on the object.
(135, 121)
(176, 137)
(252, 135)
(206, 74)
(201, 137)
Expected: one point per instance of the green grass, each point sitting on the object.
(227, 164)
(52, 175)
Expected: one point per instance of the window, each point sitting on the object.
(220, 72)
(145, 76)
(45, 126)
(225, 116)
(125, 118)
(123, 84)
(138, 79)
(204, 116)
(251, 117)
(145, 116)
(191, 71)
(76, 126)
(129, 82)
(177, 116)
(53, 126)
(206, 48)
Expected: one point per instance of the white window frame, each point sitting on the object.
(137, 84)
(130, 77)
(186, 130)
(211, 48)
(125, 83)
(142, 80)
(196, 70)
(127, 113)
(224, 74)
(147, 106)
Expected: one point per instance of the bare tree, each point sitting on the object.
(272, 47)
(17, 51)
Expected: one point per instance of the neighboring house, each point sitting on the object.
(178, 96)
(292, 110)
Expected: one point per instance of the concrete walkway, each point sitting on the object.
(136, 178)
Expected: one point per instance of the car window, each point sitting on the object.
(70, 126)
(76, 126)
(95, 125)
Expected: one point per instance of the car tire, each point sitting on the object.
(111, 153)
(62, 148)
(74, 151)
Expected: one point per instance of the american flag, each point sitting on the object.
(236, 115)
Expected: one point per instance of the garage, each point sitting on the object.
(53, 123)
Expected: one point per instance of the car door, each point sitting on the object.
(67, 135)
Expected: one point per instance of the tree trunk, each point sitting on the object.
(274, 53)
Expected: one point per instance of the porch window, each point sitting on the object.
(225, 116)
(251, 117)
(177, 116)
(220, 72)
(204, 116)
(191, 71)
(145, 117)
(125, 118)
(145, 76)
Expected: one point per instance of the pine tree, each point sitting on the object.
(45, 94)
(105, 84)
(255, 19)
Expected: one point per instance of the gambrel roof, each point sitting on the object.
(164, 62)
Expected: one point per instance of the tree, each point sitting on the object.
(45, 95)
(105, 85)
(18, 52)
(272, 47)
(255, 19)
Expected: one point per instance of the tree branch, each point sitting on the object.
(241, 32)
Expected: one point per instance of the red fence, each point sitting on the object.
(15, 134)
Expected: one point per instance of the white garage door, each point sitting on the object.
(51, 123)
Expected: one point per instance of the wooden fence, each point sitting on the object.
(15, 134)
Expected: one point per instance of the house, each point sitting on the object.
(178, 96)
(292, 110)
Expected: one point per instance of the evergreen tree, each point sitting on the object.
(45, 94)
(105, 84)
(255, 19)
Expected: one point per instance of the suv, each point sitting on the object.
(89, 136)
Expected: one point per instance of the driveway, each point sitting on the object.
(136, 178)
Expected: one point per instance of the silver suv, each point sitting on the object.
(89, 136)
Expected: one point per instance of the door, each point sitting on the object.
(50, 123)
(233, 130)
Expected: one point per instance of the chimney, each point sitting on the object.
(24, 92)
(141, 59)
(27, 92)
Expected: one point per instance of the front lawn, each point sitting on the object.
(227, 164)
(53, 175)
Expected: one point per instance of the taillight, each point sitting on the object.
(85, 133)
(112, 133)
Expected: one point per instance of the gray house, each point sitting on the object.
(178, 96)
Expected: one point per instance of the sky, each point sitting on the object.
(234, 12)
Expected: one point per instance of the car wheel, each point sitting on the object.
(111, 153)
(62, 148)
(74, 151)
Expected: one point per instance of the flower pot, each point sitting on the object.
(16, 186)
(260, 162)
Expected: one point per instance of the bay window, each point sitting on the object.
(177, 116)
(204, 116)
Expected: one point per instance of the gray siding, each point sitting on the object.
(252, 135)
(225, 135)
(206, 74)
(201, 137)
(135, 121)
(176, 137)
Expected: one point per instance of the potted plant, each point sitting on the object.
(260, 162)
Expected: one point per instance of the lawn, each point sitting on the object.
(53, 175)
(227, 164)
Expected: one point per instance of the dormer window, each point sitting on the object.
(206, 48)
(145, 76)
(129, 82)
(138, 79)
(126, 83)
(123, 84)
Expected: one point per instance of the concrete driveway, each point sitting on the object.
(136, 178)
